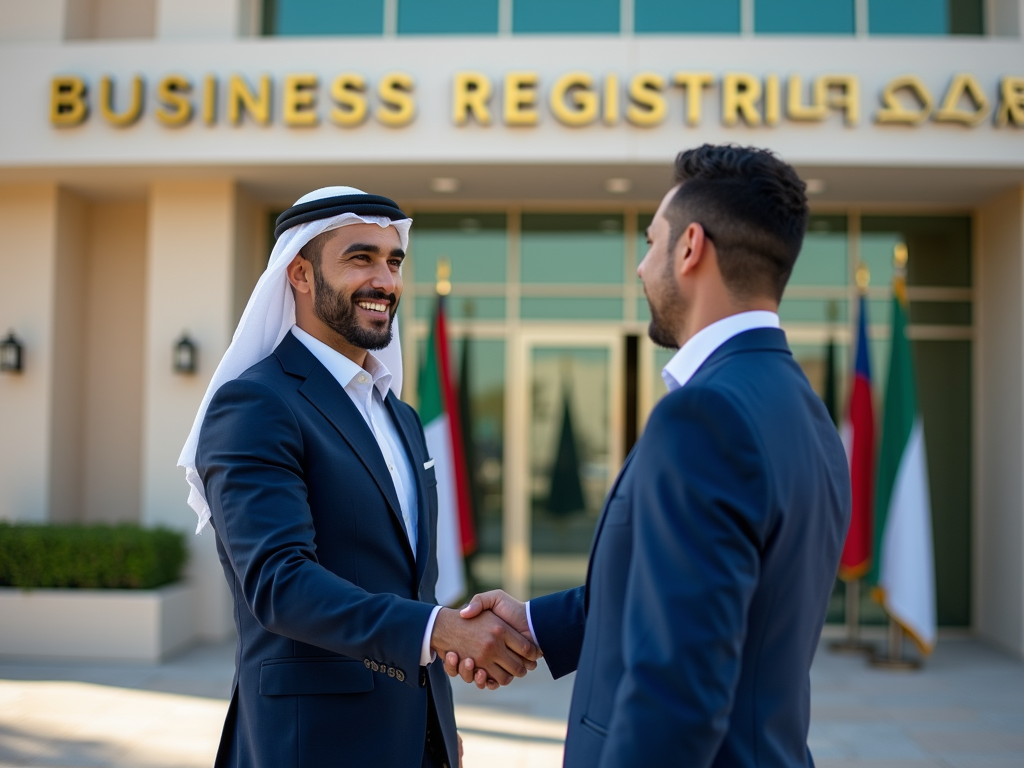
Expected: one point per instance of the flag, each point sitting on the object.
(468, 444)
(859, 439)
(903, 571)
(439, 412)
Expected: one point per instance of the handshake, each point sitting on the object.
(488, 642)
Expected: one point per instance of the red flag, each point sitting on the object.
(859, 439)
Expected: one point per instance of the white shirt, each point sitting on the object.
(368, 387)
(694, 353)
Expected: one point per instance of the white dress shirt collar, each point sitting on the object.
(701, 345)
(342, 368)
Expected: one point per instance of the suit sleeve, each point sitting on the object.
(700, 506)
(249, 459)
(559, 620)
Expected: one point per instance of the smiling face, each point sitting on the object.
(356, 283)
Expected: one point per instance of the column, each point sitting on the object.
(189, 288)
(207, 19)
(999, 400)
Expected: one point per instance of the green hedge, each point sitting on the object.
(90, 556)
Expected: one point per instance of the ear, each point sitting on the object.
(300, 275)
(691, 250)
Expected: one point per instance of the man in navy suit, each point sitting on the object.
(718, 545)
(324, 502)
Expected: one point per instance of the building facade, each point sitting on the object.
(148, 144)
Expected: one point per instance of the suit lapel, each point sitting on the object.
(423, 533)
(328, 397)
(604, 514)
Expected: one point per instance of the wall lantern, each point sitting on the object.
(10, 354)
(185, 355)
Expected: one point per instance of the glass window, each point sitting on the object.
(573, 248)
(595, 16)
(967, 17)
(461, 308)
(939, 248)
(323, 17)
(441, 17)
(550, 308)
(804, 17)
(666, 16)
(823, 258)
(475, 244)
(908, 17)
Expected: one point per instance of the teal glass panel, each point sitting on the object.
(880, 314)
(643, 221)
(944, 396)
(458, 308)
(810, 17)
(908, 17)
(939, 248)
(486, 431)
(673, 16)
(565, 16)
(967, 17)
(940, 312)
(813, 310)
(661, 358)
(323, 17)
(572, 248)
(823, 258)
(643, 310)
(445, 17)
(550, 308)
(476, 245)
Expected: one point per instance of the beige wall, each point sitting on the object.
(114, 318)
(23, 21)
(191, 257)
(999, 521)
(28, 220)
(207, 19)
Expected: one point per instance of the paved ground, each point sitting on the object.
(964, 710)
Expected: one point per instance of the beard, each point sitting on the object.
(666, 316)
(338, 312)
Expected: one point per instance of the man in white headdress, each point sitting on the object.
(319, 487)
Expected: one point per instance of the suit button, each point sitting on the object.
(391, 671)
(399, 675)
(366, 663)
(374, 666)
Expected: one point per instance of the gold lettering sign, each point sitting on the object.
(397, 106)
(693, 84)
(241, 99)
(210, 99)
(895, 112)
(577, 89)
(951, 111)
(740, 93)
(349, 93)
(172, 95)
(521, 98)
(298, 101)
(472, 93)
(647, 106)
(772, 100)
(67, 101)
(611, 99)
(131, 113)
(1011, 102)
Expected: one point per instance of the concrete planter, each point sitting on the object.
(96, 624)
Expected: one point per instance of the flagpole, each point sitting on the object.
(852, 642)
(894, 659)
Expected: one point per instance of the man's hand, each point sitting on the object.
(499, 651)
(506, 608)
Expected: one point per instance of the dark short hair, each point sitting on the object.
(314, 249)
(752, 206)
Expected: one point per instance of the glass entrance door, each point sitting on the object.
(568, 453)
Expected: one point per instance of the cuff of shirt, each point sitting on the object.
(529, 623)
(427, 655)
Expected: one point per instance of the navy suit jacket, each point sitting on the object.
(330, 602)
(710, 575)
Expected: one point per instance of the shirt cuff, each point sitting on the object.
(529, 623)
(427, 655)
